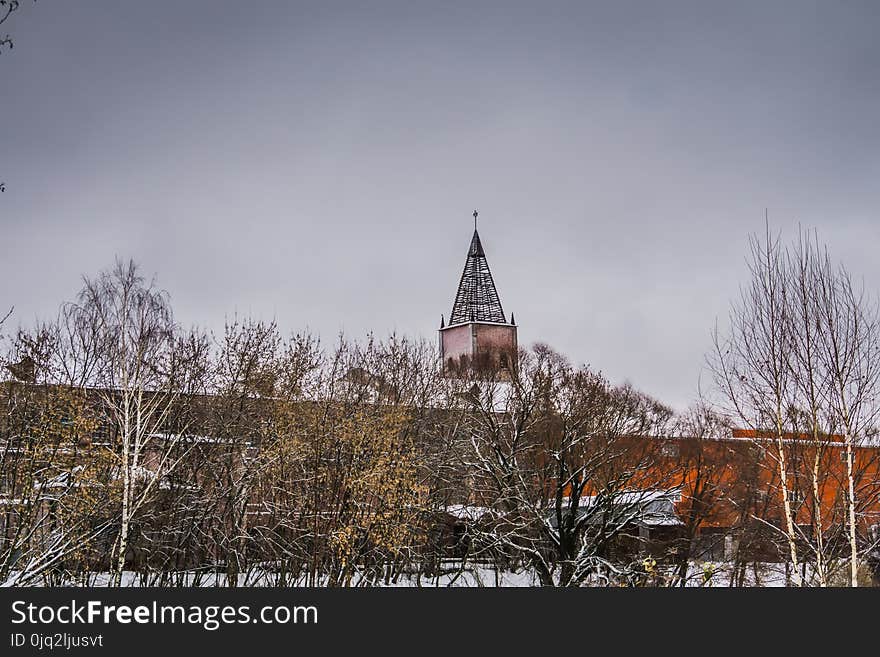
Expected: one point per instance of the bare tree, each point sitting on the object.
(752, 367)
(131, 326)
(7, 8)
(51, 497)
(561, 466)
(849, 326)
(800, 368)
(709, 479)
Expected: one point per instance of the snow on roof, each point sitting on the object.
(61, 480)
(467, 511)
(196, 438)
(649, 507)
(636, 496)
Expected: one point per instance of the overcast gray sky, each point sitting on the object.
(318, 163)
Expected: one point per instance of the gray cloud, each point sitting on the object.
(318, 163)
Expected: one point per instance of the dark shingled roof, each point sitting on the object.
(477, 299)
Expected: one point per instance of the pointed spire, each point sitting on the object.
(512, 320)
(441, 322)
(477, 299)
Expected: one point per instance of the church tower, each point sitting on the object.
(478, 336)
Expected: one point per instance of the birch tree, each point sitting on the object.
(849, 326)
(800, 367)
(134, 331)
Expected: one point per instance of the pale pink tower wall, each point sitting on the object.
(478, 330)
(477, 339)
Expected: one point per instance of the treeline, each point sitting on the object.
(135, 451)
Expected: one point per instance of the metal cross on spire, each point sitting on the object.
(475, 219)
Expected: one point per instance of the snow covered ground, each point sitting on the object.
(714, 574)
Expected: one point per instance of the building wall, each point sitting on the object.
(480, 344)
(492, 338)
(456, 342)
